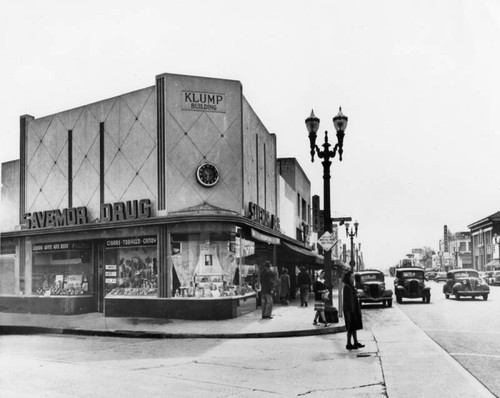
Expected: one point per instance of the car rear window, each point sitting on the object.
(470, 274)
(412, 274)
(372, 277)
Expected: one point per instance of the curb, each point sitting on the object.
(9, 329)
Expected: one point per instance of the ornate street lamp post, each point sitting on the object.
(351, 234)
(312, 124)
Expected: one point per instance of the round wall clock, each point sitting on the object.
(207, 174)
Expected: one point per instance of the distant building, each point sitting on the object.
(484, 251)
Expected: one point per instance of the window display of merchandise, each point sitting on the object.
(64, 285)
(131, 271)
(62, 273)
(210, 264)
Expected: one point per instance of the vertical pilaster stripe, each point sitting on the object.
(160, 131)
(70, 168)
(101, 162)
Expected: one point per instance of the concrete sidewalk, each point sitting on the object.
(399, 359)
(288, 321)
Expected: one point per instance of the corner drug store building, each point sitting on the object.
(155, 203)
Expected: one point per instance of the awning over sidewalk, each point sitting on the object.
(299, 255)
(265, 238)
(492, 264)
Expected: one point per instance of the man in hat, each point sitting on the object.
(267, 281)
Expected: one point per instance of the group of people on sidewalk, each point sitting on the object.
(351, 307)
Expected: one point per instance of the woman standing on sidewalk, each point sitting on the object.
(352, 312)
(320, 291)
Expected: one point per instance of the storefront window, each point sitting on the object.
(131, 266)
(62, 269)
(212, 264)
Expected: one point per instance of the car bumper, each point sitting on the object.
(472, 292)
(374, 300)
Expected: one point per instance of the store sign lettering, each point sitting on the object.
(135, 241)
(257, 213)
(207, 102)
(47, 247)
(130, 210)
(110, 212)
(56, 218)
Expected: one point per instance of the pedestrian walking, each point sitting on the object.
(304, 283)
(352, 312)
(284, 287)
(267, 281)
(320, 296)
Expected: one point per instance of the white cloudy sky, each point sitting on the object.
(419, 81)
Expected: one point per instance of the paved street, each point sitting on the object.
(467, 329)
(399, 360)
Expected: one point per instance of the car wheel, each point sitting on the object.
(399, 299)
(389, 303)
(485, 297)
(428, 299)
(457, 296)
(424, 299)
(447, 296)
(473, 297)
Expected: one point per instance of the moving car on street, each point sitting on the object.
(410, 283)
(371, 287)
(440, 277)
(495, 278)
(465, 283)
(487, 277)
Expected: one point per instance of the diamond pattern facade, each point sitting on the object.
(234, 140)
(194, 137)
(129, 154)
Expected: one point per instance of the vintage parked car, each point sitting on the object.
(465, 282)
(495, 278)
(440, 277)
(371, 287)
(487, 276)
(430, 275)
(410, 283)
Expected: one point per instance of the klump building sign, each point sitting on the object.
(206, 102)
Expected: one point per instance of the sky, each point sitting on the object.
(418, 80)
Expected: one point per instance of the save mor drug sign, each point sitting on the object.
(327, 241)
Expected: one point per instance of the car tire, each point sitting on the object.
(428, 299)
(485, 297)
(399, 299)
(389, 303)
(457, 296)
(447, 296)
(424, 299)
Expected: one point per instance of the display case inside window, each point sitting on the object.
(208, 265)
(62, 269)
(131, 270)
